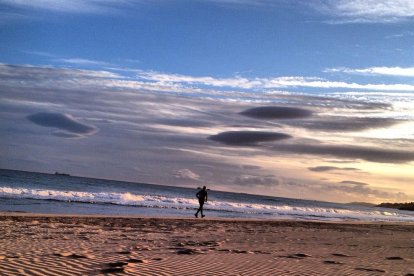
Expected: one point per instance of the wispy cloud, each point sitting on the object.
(340, 11)
(267, 83)
(376, 71)
(68, 6)
(344, 11)
(256, 180)
(372, 154)
(354, 188)
(153, 81)
(400, 35)
(83, 61)
(366, 11)
(330, 168)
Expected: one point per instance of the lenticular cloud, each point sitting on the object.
(63, 122)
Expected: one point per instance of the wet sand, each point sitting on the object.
(32, 244)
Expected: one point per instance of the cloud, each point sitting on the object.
(341, 11)
(68, 6)
(265, 83)
(83, 61)
(356, 189)
(400, 35)
(354, 183)
(184, 122)
(153, 81)
(247, 138)
(43, 74)
(366, 11)
(250, 167)
(330, 168)
(376, 71)
(336, 123)
(66, 135)
(276, 112)
(254, 180)
(186, 174)
(62, 121)
(378, 155)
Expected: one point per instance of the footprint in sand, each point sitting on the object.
(117, 264)
(370, 269)
(261, 252)
(242, 251)
(340, 255)
(124, 252)
(189, 251)
(298, 256)
(394, 258)
(112, 270)
(137, 261)
(332, 262)
(73, 255)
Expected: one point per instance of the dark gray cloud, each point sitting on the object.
(354, 152)
(330, 168)
(247, 137)
(276, 112)
(61, 121)
(336, 123)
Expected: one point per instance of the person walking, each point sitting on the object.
(202, 197)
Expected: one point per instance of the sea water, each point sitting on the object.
(61, 194)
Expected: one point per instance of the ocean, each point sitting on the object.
(61, 194)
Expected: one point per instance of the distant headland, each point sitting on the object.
(408, 206)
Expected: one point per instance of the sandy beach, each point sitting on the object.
(32, 244)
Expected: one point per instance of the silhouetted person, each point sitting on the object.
(202, 197)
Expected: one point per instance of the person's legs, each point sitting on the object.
(200, 209)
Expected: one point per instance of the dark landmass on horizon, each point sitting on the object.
(408, 206)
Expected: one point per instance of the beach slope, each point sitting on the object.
(33, 244)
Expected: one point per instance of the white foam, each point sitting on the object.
(158, 201)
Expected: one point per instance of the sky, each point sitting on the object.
(304, 99)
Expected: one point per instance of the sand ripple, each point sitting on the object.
(51, 245)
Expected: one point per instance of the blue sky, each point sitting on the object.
(220, 38)
(156, 91)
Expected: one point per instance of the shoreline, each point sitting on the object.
(207, 218)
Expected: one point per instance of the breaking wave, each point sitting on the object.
(158, 201)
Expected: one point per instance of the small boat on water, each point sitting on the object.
(62, 174)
